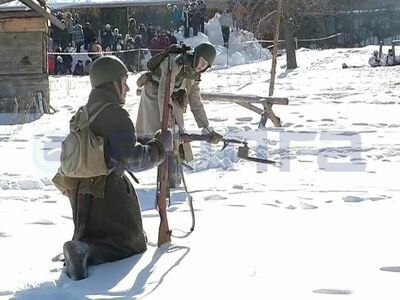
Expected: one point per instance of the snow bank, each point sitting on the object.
(243, 46)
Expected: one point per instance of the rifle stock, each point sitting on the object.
(164, 233)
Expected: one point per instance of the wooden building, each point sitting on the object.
(24, 80)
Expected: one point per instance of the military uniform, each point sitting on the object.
(183, 77)
(105, 209)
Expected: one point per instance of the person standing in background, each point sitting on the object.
(226, 22)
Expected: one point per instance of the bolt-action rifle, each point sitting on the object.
(164, 233)
(243, 151)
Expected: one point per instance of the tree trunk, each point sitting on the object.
(275, 50)
(288, 31)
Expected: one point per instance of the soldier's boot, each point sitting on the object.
(76, 255)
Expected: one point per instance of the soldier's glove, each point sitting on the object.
(165, 138)
(213, 137)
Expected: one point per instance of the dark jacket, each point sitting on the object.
(88, 33)
(111, 224)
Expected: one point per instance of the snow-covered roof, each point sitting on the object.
(64, 4)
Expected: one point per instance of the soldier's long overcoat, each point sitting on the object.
(106, 211)
(151, 104)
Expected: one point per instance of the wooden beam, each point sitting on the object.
(250, 106)
(33, 4)
(248, 102)
(226, 97)
(269, 113)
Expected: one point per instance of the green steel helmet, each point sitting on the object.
(107, 69)
(205, 50)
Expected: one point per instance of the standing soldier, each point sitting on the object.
(105, 209)
(185, 77)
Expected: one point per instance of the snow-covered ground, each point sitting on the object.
(322, 224)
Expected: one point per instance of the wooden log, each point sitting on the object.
(250, 106)
(234, 98)
(271, 115)
(19, 14)
(23, 25)
(248, 102)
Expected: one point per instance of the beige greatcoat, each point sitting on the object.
(152, 100)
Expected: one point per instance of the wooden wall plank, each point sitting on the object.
(21, 53)
(23, 25)
(14, 85)
(24, 85)
(18, 14)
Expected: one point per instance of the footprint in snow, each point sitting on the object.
(244, 119)
(215, 197)
(235, 205)
(42, 222)
(353, 199)
(291, 207)
(238, 187)
(288, 124)
(346, 133)
(270, 204)
(50, 201)
(377, 198)
(332, 291)
(390, 269)
(307, 206)
(218, 119)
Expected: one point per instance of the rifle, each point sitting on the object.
(243, 151)
(164, 233)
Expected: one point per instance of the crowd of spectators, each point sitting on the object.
(72, 50)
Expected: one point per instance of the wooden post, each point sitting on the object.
(275, 51)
